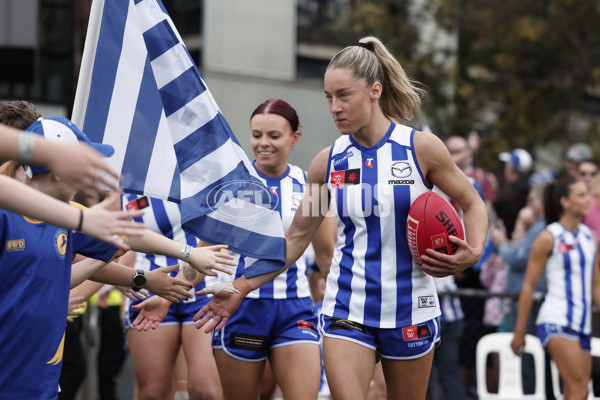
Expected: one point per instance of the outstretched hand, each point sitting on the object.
(81, 167)
(207, 259)
(438, 264)
(152, 312)
(101, 223)
(162, 284)
(220, 308)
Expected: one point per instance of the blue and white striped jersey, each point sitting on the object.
(569, 272)
(373, 279)
(162, 217)
(450, 304)
(289, 190)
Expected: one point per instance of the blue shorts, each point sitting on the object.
(402, 343)
(259, 325)
(180, 313)
(547, 331)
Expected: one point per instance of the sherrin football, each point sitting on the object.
(431, 219)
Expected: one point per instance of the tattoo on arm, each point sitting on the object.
(189, 273)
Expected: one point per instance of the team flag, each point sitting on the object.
(140, 91)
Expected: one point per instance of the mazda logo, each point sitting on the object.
(401, 169)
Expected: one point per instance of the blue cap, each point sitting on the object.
(60, 129)
(518, 158)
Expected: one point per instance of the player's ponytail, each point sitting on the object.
(371, 61)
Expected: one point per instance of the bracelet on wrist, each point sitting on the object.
(26, 146)
(186, 253)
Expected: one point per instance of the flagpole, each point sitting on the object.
(87, 63)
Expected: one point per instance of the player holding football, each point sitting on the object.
(378, 303)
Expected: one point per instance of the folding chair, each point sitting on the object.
(557, 390)
(510, 385)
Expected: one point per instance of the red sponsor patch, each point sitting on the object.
(415, 332)
(138, 204)
(345, 177)
(439, 242)
(564, 248)
(410, 333)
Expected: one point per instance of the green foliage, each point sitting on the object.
(527, 70)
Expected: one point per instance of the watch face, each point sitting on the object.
(139, 281)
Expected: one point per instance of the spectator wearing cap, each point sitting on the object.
(515, 187)
(577, 153)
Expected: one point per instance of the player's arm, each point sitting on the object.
(540, 251)
(78, 164)
(324, 244)
(228, 296)
(306, 222)
(596, 277)
(203, 259)
(98, 221)
(158, 281)
(440, 170)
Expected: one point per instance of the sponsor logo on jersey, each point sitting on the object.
(401, 170)
(308, 329)
(369, 162)
(60, 243)
(344, 158)
(138, 204)
(416, 332)
(426, 301)
(345, 177)
(273, 189)
(15, 245)
(247, 342)
(564, 248)
(346, 325)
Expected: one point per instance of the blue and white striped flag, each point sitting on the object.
(140, 91)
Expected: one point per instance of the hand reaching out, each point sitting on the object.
(101, 223)
(164, 285)
(80, 166)
(207, 259)
(152, 312)
(75, 303)
(220, 308)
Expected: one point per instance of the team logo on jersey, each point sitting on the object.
(401, 170)
(60, 243)
(416, 332)
(426, 301)
(273, 189)
(564, 248)
(369, 162)
(15, 245)
(345, 177)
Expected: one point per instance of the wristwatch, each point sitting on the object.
(139, 280)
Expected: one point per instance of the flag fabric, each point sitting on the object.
(140, 91)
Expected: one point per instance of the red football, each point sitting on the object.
(431, 219)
